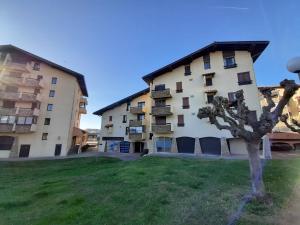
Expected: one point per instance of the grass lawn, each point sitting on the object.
(148, 191)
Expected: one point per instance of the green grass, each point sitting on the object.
(148, 191)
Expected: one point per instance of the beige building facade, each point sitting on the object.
(40, 106)
(175, 94)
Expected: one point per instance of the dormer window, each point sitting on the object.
(187, 70)
(229, 59)
(36, 66)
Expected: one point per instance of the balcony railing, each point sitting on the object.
(8, 111)
(137, 136)
(25, 128)
(6, 128)
(82, 110)
(137, 110)
(161, 110)
(162, 128)
(83, 100)
(166, 93)
(14, 66)
(20, 96)
(137, 123)
(23, 81)
(19, 111)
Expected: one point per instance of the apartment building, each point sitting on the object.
(40, 106)
(282, 134)
(176, 92)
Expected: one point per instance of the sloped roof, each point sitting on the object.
(120, 102)
(78, 76)
(254, 47)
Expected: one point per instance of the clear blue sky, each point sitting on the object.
(115, 42)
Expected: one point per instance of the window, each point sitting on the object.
(7, 119)
(244, 78)
(229, 59)
(135, 130)
(140, 117)
(208, 81)
(160, 120)
(180, 120)
(39, 77)
(141, 105)
(163, 144)
(127, 106)
(25, 120)
(206, 62)
(51, 93)
(3, 119)
(185, 103)
(187, 70)
(29, 120)
(49, 107)
(160, 87)
(124, 118)
(36, 66)
(178, 87)
(210, 97)
(44, 136)
(110, 118)
(126, 130)
(54, 80)
(21, 120)
(47, 121)
(150, 136)
(232, 98)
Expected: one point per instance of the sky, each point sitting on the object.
(115, 42)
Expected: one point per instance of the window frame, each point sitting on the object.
(49, 107)
(44, 136)
(51, 93)
(187, 70)
(54, 80)
(47, 123)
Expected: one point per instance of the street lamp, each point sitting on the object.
(293, 65)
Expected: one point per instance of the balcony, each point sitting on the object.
(162, 128)
(25, 128)
(82, 110)
(23, 81)
(20, 96)
(166, 93)
(14, 66)
(19, 111)
(137, 110)
(137, 136)
(83, 100)
(6, 128)
(161, 110)
(27, 112)
(137, 123)
(8, 111)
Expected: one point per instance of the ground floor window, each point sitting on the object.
(112, 145)
(6, 142)
(163, 144)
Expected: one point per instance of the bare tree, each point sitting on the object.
(293, 126)
(239, 120)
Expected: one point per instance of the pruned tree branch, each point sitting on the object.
(295, 126)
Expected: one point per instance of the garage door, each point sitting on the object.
(124, 146)
(210, 145)
(185, 144)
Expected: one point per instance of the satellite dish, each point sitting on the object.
(293, 65)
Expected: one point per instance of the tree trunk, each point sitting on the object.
(258, 187)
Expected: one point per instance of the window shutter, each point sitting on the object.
(185, 103)
(178, 87)
(180, 121)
